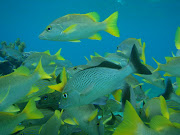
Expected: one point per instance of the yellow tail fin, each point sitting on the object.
(130, 123)
(42, 73)
(112, 24)
(58, 56)
(177, 38)
(31, 111)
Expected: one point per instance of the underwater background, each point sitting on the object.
(154, 21)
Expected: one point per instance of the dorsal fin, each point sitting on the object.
(47, 52)
(94, 16)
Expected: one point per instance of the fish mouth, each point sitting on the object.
(41, 36)
(63, 106)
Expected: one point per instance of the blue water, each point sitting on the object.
(154, 22)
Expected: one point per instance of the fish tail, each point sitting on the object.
(131, 121)
(111, 26)
(168, 90)
(177, 38)
(42, 73)
(31, 111)
(138, 66)
(58, 56)
(158, 68)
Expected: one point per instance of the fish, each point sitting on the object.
(34, 122)
(155, 78)
(85, 117)
(92, 83)
(33, 130)
(177, 38)
(51, 127)
(136, 86)
(125, 46)
(73, 27)
(159, 125)
(18, 84)
(169, 93)
(171, 66)
(47, 59)
(9, 122)
(119, 59)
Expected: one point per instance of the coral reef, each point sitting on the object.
(13, 55)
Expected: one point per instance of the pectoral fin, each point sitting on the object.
(70, 29)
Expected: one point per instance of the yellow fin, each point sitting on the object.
(59, 87)
(147, 112)
(143, 58)
(70, 29)
(159, 122)
(58, 56)
(91, 56)
(86, 58)
(47, 52)
(119, 51)
(34, 64)
(168, 59)
(147, 91)
(173, 54)
(177, 38)
(97, 55)
(94, 16)
(130, 122)
(117, 95)
(158, 68)
(167, 74)
(18, 128)
(93, 115)
(178, 84)
(74, 41)
(52, 63)
(146, 81)
(164, 109)
(42, 73)
(140, 43)
(31, 111)
(22, 71)
(112, 24)
(12, 108)
(70, 121)
(33, 90)
(4, 96)
(96, 36)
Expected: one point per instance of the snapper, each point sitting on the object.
(73, 27)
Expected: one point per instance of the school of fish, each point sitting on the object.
(47, 95)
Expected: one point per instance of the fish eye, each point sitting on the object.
(48, 28)
(74, 68)
(140, 86)
(65, 95)
(45, 97)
